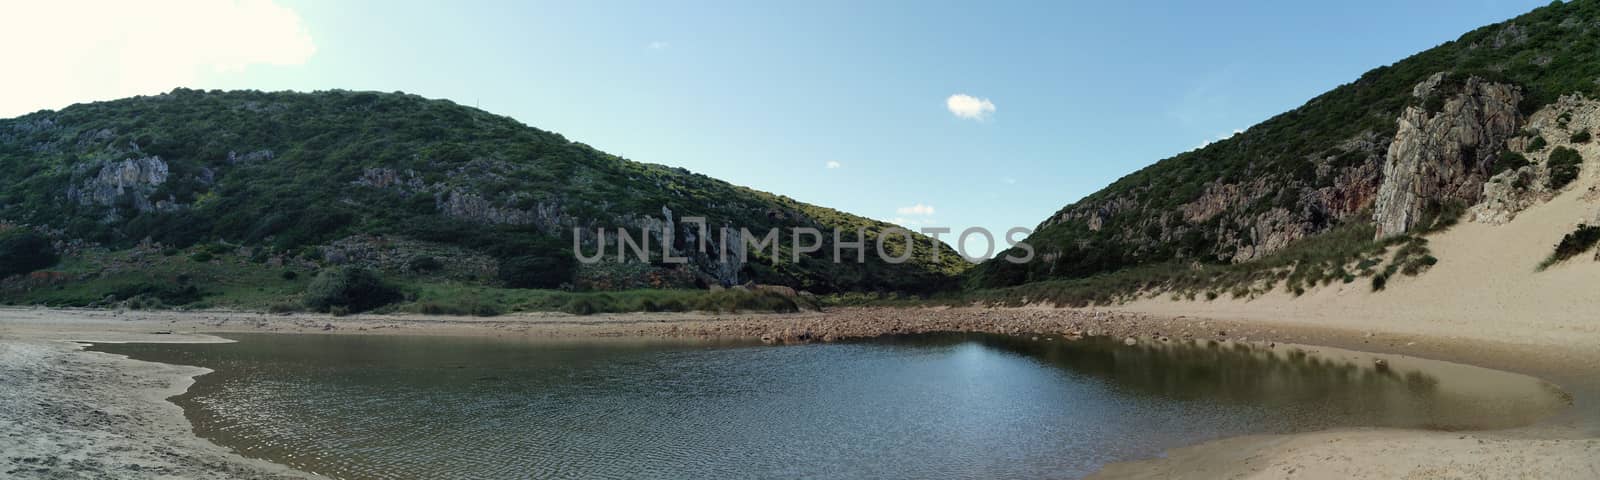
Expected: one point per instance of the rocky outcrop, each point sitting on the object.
(1444, 156)
(1510, 192)
(388, 178)
(235, 158)
(129, 182)
(472, 207)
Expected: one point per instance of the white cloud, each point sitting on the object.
(832, 164)
(905, 222)
(969, 107)
(78, 51)
(918, 209)
(1009, 181)
(658, 45)
(1221, 137)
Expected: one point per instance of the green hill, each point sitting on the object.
(417, 189)
(1193, 220)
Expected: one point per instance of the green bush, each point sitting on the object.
(352, 289)
(23, 251)
(584, 306)
(155, 295)
(1581, 136)
(469, 307)
(201, 257)
(436, 308)
(537, 272)
(1439, 216)
(424, 264)
(1537, 144)
(1564, 166)
(1508, 160)
(1572, 244)
(290, 275)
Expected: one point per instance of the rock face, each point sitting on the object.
(131, 180)
(1509, 192)
(1340, 185)
(1444, 156)
(1243, 198)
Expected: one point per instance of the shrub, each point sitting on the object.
(154, 295)
(1437, 216)
(435, 308)
(289, 275)
(283, 307)
(1581, 136)
(582, 306)
(352, 289)
(23, 251)
(536, 272)
(1537, 144)
(1508, 160)
(201, 257)
(424, 264)
(1523, 181)
(469, 307)
(1564, 165)
(1418, 265)
(485, 310)
(1580, 240)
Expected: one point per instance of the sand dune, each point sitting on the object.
(1485, 287)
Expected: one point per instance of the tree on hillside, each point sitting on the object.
(23, 251)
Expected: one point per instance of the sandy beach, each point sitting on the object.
(78, 418)
(76, 414)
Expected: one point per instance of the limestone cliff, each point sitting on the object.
(1444, 156)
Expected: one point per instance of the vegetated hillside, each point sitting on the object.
(392, 182)
(1403, 148)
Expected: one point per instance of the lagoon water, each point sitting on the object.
(957, 405)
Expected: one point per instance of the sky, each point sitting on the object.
(947, 114)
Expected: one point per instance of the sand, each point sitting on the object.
(74, 414)
(1485, 297)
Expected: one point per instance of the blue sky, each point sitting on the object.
(842, 104)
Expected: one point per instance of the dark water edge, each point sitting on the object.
(946, 405)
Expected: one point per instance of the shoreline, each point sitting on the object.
(1565, 445)
(83, 414)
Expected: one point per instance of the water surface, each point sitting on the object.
(972, 406)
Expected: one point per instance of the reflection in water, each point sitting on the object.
(974, 406)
